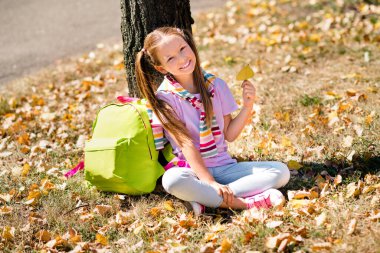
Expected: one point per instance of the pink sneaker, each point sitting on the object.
(197, 208)
(267, 199)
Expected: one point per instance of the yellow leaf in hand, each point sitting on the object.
(245, 73)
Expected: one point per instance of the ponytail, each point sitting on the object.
(147, 87)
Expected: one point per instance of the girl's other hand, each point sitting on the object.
(249, 94)
(224, 191)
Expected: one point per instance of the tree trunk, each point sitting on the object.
(140, 17)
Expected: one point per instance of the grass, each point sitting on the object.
(317, 104)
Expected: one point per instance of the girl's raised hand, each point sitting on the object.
(249, 94)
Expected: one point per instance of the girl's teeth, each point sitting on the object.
(188, 63)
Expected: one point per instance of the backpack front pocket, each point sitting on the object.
(104, 155)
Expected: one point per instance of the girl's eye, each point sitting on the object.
(182, 48)
(171, 58)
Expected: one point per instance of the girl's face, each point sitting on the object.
(175, 56)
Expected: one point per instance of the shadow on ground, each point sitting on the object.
(360, 166)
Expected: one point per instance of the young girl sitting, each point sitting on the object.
(194, 108)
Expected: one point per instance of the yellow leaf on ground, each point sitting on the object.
(294, 165)
(298, 203)
(25, 169)
(286, 142)
(138, 229)
(226, 245)
(5, 210)
(311, 194)
(245, 73)
(8, 233)
(43, 235)
(218, 228)
(211, 237)
(47, 185)
(155, 211)
(168, 205)
(101, 239)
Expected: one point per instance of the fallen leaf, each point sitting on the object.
(321, 246)
(272, 242)
(312, 194)
(352, 190)
(298, 203)
(43, 235)
(248, 237)
(155, 211)
(86, 217)
(352, 226)
(187, 221)
(208, 248)
(25, 170)
(154, 229)
(274, 224)
(168, 205)
(347, 141)
(375, 217)
(102, 209)
(245, 73)
(101, 239)
(5, 210)
(321, 219)
(337, 180)
(218, 228)
(351, 92)
(8, 233)
(211, 237)
(294, 165)
(123, 218)
(225, 245)
(6, 197)
(138, 229)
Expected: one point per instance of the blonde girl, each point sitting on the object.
(194, 109)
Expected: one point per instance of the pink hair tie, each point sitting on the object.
(143, 50)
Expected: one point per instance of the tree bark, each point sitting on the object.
(140, 17)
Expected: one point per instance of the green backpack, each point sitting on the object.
(121, 155)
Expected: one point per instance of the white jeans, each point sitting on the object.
(244, 178)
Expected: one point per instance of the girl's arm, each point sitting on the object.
(234, 126)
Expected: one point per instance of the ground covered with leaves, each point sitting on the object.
(316, 68)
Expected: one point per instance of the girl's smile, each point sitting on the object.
(187, 65)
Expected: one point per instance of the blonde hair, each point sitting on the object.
(146, 59)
